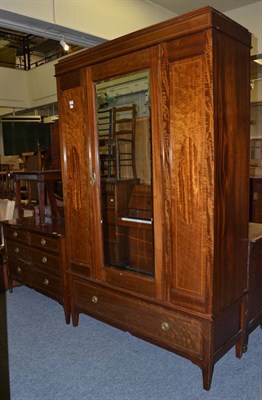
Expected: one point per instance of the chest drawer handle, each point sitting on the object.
(15, 234)
(17, 250)
(46, 282)
(94, 299)
(44, 260)
(43, 242)
(18, 269)
(165, 326)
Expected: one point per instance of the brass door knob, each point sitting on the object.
(165, 326)
(94, 299)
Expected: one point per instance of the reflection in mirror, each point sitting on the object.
(124, 138)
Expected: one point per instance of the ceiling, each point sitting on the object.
(181, 7)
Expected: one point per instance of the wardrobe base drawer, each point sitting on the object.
(165, 327)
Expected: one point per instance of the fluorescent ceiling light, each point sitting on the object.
(22, 118)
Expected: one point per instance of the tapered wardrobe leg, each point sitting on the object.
(241, 346)
(207, 374)
(75, 317)
(67, 315)
(10, 285)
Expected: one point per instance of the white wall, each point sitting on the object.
(256, 121)
(40, 9)
(27, 89)
(42, 85)
(14, 91)
(107, 19)
(251, 18)
(256, 92)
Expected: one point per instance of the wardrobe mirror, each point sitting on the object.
(124, 142)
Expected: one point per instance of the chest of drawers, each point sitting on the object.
(36, 257)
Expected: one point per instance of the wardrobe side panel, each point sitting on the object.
(232, 138)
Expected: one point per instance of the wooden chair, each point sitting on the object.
(107, 153)
(116, 129)
(124, 123)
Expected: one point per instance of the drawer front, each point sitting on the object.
(169, 328)
(46, 283)
(45, 260)
(45, 242)
(17, 250)
(19, 271)
(16, 234)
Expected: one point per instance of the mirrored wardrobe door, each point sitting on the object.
(125, 165)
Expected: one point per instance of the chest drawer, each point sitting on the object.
(170, 328)
(46, 283)
(43, 281)
(17, 250)
(13, 233)
(45, 259)
(19, 271)
(45, 242)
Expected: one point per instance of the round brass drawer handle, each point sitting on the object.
(43, 242)
(46, 282)
(94, 299)
(17, 250)
(15, 234)
(165, 326)
(44, 260)
(18, 269)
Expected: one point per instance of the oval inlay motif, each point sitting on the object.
(74, 168)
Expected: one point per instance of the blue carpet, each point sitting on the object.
(49, 360)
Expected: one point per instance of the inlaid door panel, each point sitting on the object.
(192, 180)
(76, 177)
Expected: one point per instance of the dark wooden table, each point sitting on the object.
(45, 180)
